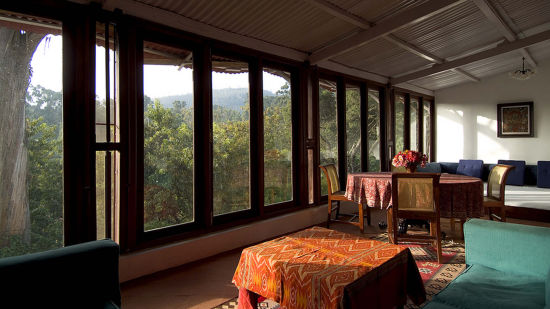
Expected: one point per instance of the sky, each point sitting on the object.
(159, 80)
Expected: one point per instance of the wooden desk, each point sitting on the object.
(460, 196)
(321, 268)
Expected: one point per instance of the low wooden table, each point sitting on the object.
(322, 268)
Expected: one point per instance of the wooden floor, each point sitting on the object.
(207, 283)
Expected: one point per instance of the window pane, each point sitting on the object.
(426, 131)
(413, 113)
(373, 129)
(107, 166)
(168, 136)
(106, 86)
(328, 127)
(277, 136)
(231, 134)
(107, 112)
(399, 122)
(353, 129)
(31, 156)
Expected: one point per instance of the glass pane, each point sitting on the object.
(168, 136)
(353, 129)
(31, 156)
(413, 113)
(106, 85)
(399, 122)
(231, 134)
(328, 128)
(107, 164)
(277, 136)
(373, 129)
(101, 231)
(426, 131)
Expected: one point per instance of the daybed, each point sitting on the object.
(508, 267)
(527, 190)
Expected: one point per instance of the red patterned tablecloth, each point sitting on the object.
(459, 196)
(322, 268)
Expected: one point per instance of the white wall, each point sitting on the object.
(467, 119)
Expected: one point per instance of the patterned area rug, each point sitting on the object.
(434, 275)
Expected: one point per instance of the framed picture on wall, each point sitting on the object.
(515, 119)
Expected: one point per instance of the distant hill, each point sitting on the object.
(232, 98)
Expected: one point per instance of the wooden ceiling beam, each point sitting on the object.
(391, 24)
(499, 21)
(340, 13)
(357, 21)
(465, 74)
(414, 49)
(499, 50)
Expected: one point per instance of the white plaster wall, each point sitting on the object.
(467, 119)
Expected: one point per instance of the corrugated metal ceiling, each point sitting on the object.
(311, 25)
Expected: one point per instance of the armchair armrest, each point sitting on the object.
(508, 247)
(78, 276)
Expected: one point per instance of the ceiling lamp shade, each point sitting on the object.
(523, 73)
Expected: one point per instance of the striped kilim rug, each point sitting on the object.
(434, 275)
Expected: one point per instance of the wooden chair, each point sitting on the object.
(415, 196)
(335, 194)
(496, 185)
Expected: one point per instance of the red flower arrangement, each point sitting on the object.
(409, 159)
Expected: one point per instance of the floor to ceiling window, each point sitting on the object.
(277, 117)
(231, 135)
(399, 123)
(31, 156)
(413, 123)
(107, 132)
(373, 130)
(168, 136)
(353, 129)
(328, 127)
(426, 130)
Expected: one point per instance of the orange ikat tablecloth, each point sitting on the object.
(321, 268)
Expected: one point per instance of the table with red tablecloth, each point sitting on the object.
(322, 268)
(460, 196)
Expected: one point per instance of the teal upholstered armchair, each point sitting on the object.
(508, 267)
(79, 276)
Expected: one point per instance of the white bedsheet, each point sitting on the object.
(527, 196)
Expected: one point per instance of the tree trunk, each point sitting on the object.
(16, 51)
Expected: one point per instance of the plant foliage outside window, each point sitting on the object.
(277, 140)
(31, 166)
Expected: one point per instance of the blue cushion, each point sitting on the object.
(531, 175)
(543, 174)
(548, 289)
(431, 167)
(516, 176)
(483, 287)
(472, 168)
(448, 167)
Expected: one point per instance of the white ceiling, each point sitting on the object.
(421, 45)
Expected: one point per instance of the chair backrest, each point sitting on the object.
(415, 192)
(497, 181)
(333, 181)
(472, 168)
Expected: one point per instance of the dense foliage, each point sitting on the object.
(44, 173)
(168, 159)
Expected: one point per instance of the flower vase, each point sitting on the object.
(411, 169)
